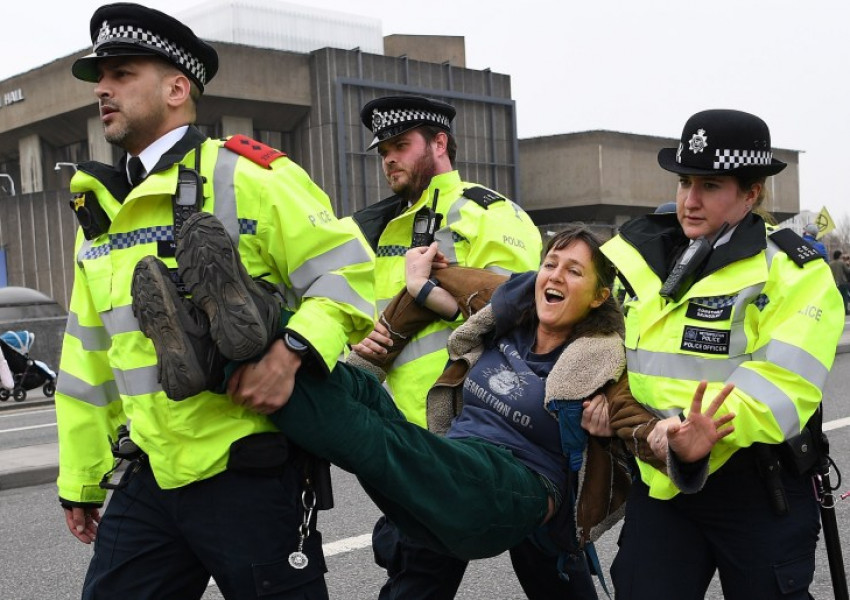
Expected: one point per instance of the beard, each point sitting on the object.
(132, 132)
(419, 177)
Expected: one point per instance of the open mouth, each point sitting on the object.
(553, 296)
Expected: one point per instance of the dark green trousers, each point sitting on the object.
(467, 498)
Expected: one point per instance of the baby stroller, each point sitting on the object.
(19, 372)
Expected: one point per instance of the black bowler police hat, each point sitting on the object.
(126, 29)
(390, 116)
(722, 142)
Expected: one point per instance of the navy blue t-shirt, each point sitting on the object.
(503, 404)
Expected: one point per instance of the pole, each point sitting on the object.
(831, 538)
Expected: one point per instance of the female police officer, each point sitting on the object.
(716, 294)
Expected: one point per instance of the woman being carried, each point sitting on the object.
(498, 473)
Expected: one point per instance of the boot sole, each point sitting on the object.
(209, 265)
(156, 307)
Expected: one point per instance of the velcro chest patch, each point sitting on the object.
(705, 340)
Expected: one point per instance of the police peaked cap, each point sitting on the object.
(722, 142)
(390, 116)
(126, 29)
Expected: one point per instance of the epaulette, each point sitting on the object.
(482, 196)
(794, 246)
(253, 150)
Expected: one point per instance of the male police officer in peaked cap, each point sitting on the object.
(473, 226)
(125, 29)
(214, 489)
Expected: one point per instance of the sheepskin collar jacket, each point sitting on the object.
(593, 361)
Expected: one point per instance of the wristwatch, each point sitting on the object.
(295, 345)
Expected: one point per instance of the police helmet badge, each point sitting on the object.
(740, 145)
(699, 141)
(390, 116)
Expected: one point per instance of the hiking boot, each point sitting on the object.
(187, 360)
(244, 317)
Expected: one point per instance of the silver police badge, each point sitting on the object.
(103, 33)
(298, 560)
(699, 141)
(377, 121)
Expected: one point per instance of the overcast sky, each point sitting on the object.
(639, 66)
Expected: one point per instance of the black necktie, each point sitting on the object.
(136, 170)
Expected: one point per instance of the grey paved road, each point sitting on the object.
(39, 560)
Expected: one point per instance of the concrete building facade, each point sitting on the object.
(606, 178)
(308, 105)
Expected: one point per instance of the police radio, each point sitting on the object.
(425, 224)
(186, 201)
(684, 272)
(190, 191)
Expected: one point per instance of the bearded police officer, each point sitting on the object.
(214, 489)
(473, 227)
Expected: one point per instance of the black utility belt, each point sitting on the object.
(797, 457)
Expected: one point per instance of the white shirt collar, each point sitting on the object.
(723, 239)
(726, 236)
(151, 155)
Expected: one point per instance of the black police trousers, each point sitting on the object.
(238, 527)
(672, 548)
(416, 572)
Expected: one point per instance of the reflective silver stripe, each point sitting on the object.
(225, 194)
(136, 382)
(664, 413)
(426, 345)
(92, 338)
(119, 320)
(336, 287)
(382, 304)
(771, 251)
(96, 395)
(444, 235)
(305, 276)
(499, 270)
(737, 335)
(682, 366)
(132, 382)
(780, 404)
(794, 359)
(84, 248)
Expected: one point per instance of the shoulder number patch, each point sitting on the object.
(794, 246)
(253, 150)
(482, 196)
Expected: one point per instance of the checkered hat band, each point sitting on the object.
(145, 38)
(732, 159)
(399, 116)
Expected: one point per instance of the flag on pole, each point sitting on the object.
(824, 222)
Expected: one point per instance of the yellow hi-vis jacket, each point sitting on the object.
(287, 234)
(492, 233)
(764, 315)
